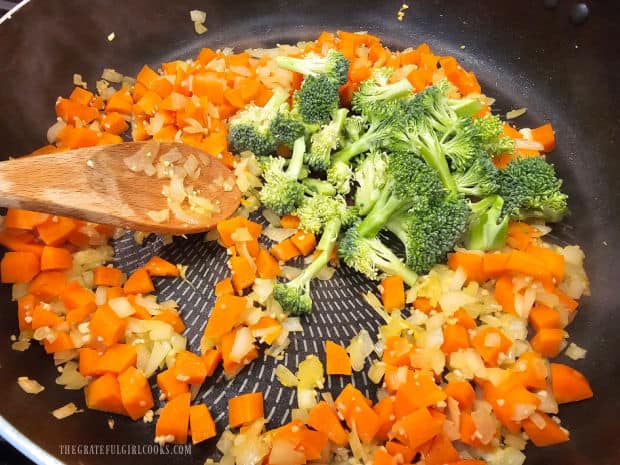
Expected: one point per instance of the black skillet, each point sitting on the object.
(523, 54)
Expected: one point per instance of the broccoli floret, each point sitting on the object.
(442, 111)
(410, 183)
(282, 192)
(461, 144)
(318, 186)
(488, 227)
(371, 176)
(370, 256)
(491, 132)
(294, 296)
(340, 175)
(317, 99)
(286, 129)
(250, 129)
(531, 189)
(429, 233)
(326, 140)
(334, 65)
(354, 127)
(480, 179)
(315, 212)
(377, 90)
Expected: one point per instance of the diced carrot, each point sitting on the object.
(245, 408)
(54, 258)
(81, 96)
(48, 285)
(521, 235)
(62, 343)
(88, 364)
(470, 263)
(225, 315)
(139, 282)
(289, 221)
(568, 384)
(23, 219)
(520, 262)
(74, 138)
(322, 418)
(44, 317)
(174, 419)
(419, 427)
(104, 394)
(224, 287)
(120, 102)
(494, 263)
(305, 242)
(157, 266)
(468, 431)
(170, 385)
(201, 423)
(542, 316)
(114, 123)
(19, 267)
(397, 351)
(504, 294)
(423, 304)
(136, 393)
(419, 391)
(108, 276)
(455, 337)
(551, 433)
(20, 241)
(146, 76)
(171, 317)
(464, 319)
(531, 371)
(25, 307)
(385, 410)
(337, 359)
(490, 342)
(441, 451)
(109, 139)
(267, 266)
(545, 135)
(395, 448)
(565, 301)
(393, 293)
(117, 358)
(553, 261)
(548, 342)
(243, 273)
(462, 392)
(70, 111)
(56, 230)
(114, 292)
(211, 359)
(80, 314)
(208, 86)
(383, 457)
(227, 228)
(189, 367)
(76, 296)
(106, 327)
(285, 250)
(205, 56)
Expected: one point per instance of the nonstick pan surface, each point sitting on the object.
(523, 54)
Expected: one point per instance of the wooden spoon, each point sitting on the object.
(95, 184)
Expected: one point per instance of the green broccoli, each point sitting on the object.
(410, 183)
(287, 127)
(316, 210)
(531, 189)
(488, 227)
(354, 127)
(480, 179)
(317, 99)
(340, 175)
(377, 90)
(294, 296)
(371, 176)
(318, 186)
(334, 65)
(491, 133)
(429, 233)
(282, 191)
(461, 144)
(326, 140)
(250, 129)
(370, 256)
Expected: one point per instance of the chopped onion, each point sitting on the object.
(326, 273)
(512, 114)
(101, 295)
(111, 75)
(285, 376)
(284, 453)
(198, 16)
(293, 325)
(29, 386)
(159, 216)
(243, 344)
(71, 378)
(360, 347)
(376, 371)
(529, 145)
(290, 272)
(574, 352)
(65, 411)
(278, 234)
(19, 290)
(54, 131)
(121, 307)
(272, 218)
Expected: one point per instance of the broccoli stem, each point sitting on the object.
(394, 91)
(389, 263)
(432, 153)
(297, 159)
(465, 107)
(375, 133)
(326, 246)
(319, 187)
(487, 230)
(387, 204)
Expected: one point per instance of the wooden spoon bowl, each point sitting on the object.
(95, 184)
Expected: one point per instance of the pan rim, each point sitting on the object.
(25, 445)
